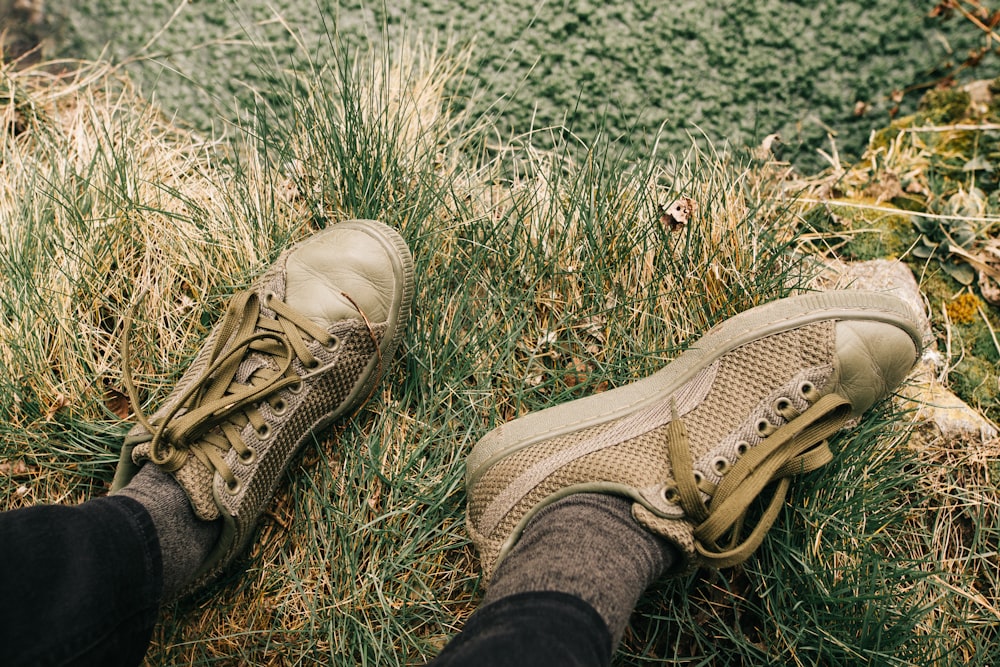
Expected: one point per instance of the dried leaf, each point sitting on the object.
(767, 147)
(118, 403)
(187, 304)
(13, 468)
(989, 272)
(990, 289)
(886, 187)
(678, 213)
(374, 499)
(580, 370)
(594, 327)
(941, 10)
(59, 403)
(544, 345)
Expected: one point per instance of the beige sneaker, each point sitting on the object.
(305, 346)
(751, 403)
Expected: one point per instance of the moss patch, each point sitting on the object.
(943, 105)
(860, 234)
(940, 169)
(964, 309)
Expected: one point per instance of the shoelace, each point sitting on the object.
(799, 446)
(208, 417)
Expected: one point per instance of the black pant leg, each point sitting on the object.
(80, 585)
(529, 629)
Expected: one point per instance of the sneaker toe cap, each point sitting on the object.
(872, 358)
(349, 259)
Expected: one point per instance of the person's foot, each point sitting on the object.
(751, 403)
(305, 346)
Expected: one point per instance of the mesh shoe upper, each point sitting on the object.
(302, 348)
(693, 448)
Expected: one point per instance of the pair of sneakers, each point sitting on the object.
(747, 406)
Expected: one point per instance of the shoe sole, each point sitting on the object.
(748, 326)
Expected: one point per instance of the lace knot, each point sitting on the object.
(208, 417)
(796, 447)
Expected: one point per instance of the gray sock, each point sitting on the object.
(185, 540)
(587, 545)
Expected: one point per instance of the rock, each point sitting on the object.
(880, 275)
(980, 95)
(950, 414)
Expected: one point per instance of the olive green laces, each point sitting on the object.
(796, 447)
(209, 416)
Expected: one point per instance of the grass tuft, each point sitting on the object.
(105, 204)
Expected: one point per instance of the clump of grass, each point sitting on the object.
(540, 277)
(104, 204)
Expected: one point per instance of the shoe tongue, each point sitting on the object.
(193, 477)
(197, 480)
(252, 363)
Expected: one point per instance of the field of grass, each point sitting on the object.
(542, 276)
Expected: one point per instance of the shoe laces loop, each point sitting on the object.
(796, 447)
(207, 418)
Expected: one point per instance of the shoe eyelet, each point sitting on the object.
(279, 406)
(764, 427)
(333, 345)
(721, 465)
(234, 488)
(295, 388)
(265, 299)
(264, 432)
(670, 494)
(312, 365)
(808, 390)
(698, 477)
(249, 456)
(784, 408)
(742, 447)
